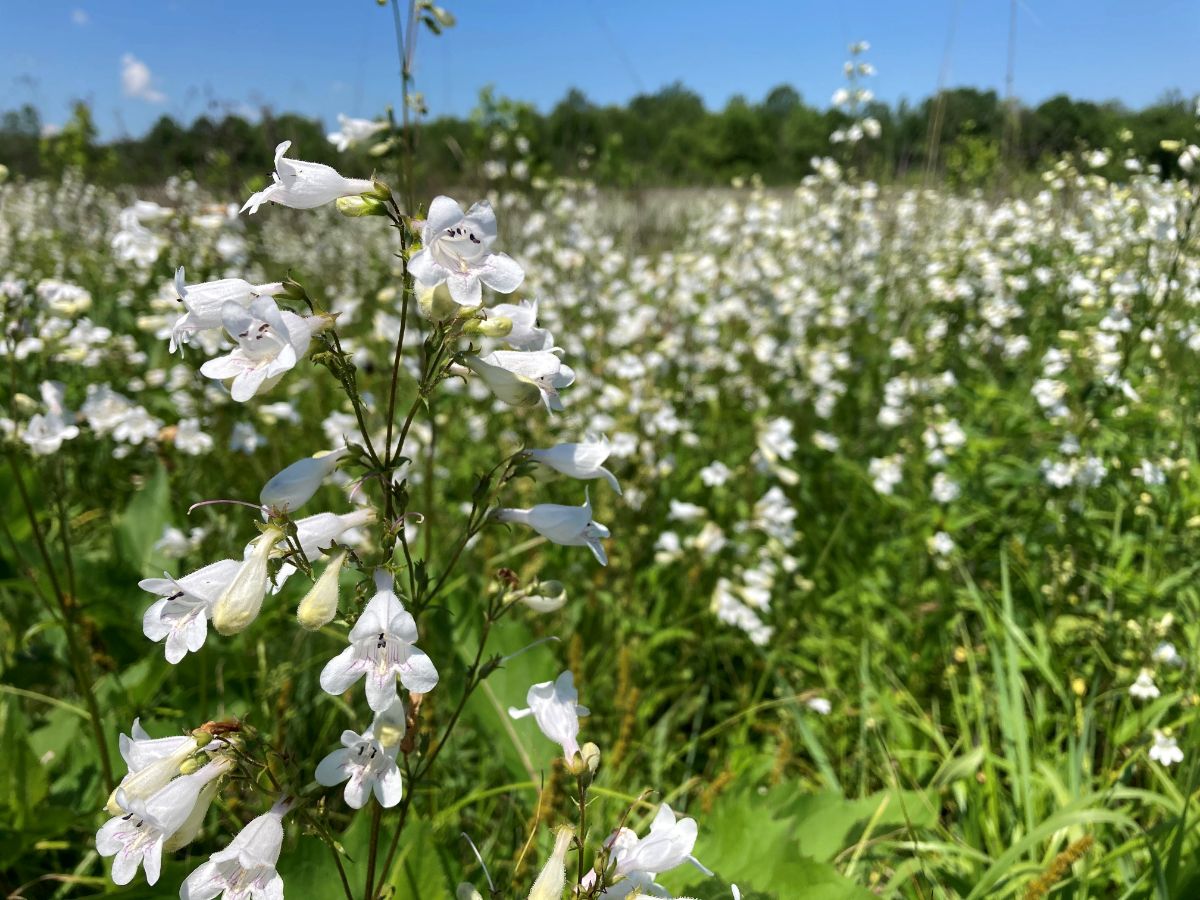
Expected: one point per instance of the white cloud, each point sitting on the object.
(136, 78)
(80, 17)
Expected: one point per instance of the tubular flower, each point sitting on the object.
(637, 860)
(367, 761)
(571, 526)
(304, 185)
(245, 870)
(523, 378)
(525, 333)
(555, 707)
(353, 131)
(458, 251)
(293, 486)
(270, 342)
(382, 647)
(552, 880)
(180, 615)
(583, 461)
(240, 603)
(205, 301)
(319, 605)
(152, 763)
(136, 837)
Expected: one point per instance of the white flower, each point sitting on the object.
(353, 131)
(318, 532)
(545, 596)
(1165, 750)
(525, 334)
(457, 251)
(885, 473)
(174, 544)
(292, 487)
(382, 647)
(270, 342)
(151, 763)
(136, 836)
(190, 439)
(826, 441)
(715, 474)
(570, 526)
(319, 605)
(584, 461)
(244, 438)
(523, 378)
(668, 845)
(819, 705)
(205, 301)
(244, 870)
(686, 512)
(304, 185)
(555, 707)
(945, 489)
(1144, 688)
(238, 605)
(180, 617)
(941, 544)
(45, 432)
(552, 880)
(1166, 654)
(367, 763)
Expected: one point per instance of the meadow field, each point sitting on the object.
(883, 583)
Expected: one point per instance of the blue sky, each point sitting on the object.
(137, 59)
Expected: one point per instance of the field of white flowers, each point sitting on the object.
(895, 490)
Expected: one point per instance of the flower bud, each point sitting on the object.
(356, 207)
(192, 764)
(546, 596)
(295, 485)
(149, 779)
(240, 603)
(320, 604)
(553, 878)
(436, 304)
(591, 756)
(191, 825)
(498, 327)
(467, 892)
(379, 192)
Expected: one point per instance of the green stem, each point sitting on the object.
(67, 609)
(376, 815)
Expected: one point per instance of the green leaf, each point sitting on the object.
(142, 523)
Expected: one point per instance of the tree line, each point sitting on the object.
(667, 138)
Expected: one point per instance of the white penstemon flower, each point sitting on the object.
(367, 761)
(584, 461)
(524, 377)
(555, 707)
(238, 605)
(180, 616)
(1165, 750)
(571, 526)
(205, 301)
(458, 251)
(1143, 687)
(382, 647)
(304, 185)
(137, 836)
(353, 131)
(295, 485)
(269, 344)
(244, 870)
